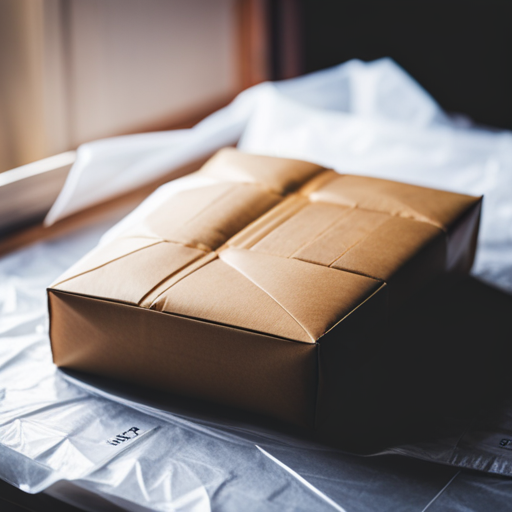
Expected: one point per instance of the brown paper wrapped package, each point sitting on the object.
(268, 290)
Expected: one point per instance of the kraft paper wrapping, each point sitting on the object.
(267, 290)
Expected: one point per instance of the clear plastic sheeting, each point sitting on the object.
(53, 431)
(76, 437)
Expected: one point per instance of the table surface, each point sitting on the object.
(14, 500)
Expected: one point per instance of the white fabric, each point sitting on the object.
(108, 167)
(432, 154)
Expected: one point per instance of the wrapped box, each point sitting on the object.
(268, 290)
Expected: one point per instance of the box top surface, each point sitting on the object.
(273, 245)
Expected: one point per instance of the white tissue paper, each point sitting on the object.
(67, 436)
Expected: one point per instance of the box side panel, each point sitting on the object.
(247, 370)
(350, 383)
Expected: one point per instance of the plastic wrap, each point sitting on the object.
(53, 431)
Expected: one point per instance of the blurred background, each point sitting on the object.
(72, 71)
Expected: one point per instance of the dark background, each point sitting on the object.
(459, 50)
